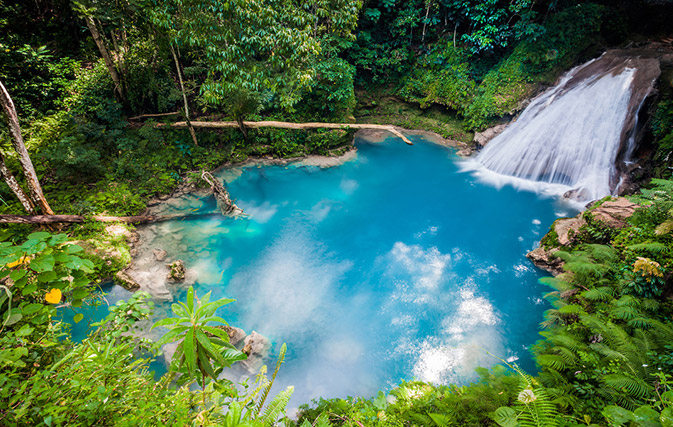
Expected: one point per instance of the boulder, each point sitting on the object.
(125, 281)
(236, 335)
(482, 138)
(159, 254)
(256, 346)
(567, 228)
(615, 212)
(178, 271)
(545, 259)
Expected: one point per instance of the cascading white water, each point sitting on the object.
(569, 137)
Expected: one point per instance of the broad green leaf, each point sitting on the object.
(190, 299)
(29, 289)
(645, 416)
(13, 318)
(47, 276)
(232, 356)
(210, 308)
(17, 274)
(42, 263)
(617, 414)
(31, 308)
(80, 293)
(179, 311)
(164, 322)
(40, 235)
(73, 249)
(210, 348)
(173, 335)
(78, 317)
(57, 239)
(204, 363)
(505, 417)
(24, 331)
(189, 350)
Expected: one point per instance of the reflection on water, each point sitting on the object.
(392, 266)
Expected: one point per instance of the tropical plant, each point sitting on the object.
(204, 350)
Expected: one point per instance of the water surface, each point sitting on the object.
(392, 266)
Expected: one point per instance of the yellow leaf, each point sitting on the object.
(19, 261)
(53, 296)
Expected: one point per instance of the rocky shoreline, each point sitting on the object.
(567, 232)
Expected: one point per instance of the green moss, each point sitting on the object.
(550, 240)
(380, 107)
(534, 62)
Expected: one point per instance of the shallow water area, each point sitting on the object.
(394, 265)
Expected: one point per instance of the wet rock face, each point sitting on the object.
(482, 138)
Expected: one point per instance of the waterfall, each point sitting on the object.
(570, 139)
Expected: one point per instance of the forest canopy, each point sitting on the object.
(92, 91)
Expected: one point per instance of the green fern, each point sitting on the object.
(634, 387)
(267, 387)
(276, 408)
(650, 247)
(603, 293)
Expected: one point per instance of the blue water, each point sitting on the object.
(392, 266)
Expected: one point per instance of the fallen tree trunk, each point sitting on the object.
(72, 219)
(150, 116)
(289, 125)
(224, 202)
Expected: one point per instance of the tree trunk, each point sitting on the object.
(60, 219)
(425, 21)
(224, 202)
(105, 53)
(289, 125)
(34, 188)
(241, 126)
(184, 95)
(15, 187)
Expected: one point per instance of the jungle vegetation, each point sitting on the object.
(89, 89)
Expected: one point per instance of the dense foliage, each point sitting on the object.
(83, 76)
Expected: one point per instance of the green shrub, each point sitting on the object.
(504, 88)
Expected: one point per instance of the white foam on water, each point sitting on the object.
(566, 139)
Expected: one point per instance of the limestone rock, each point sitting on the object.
(256, 346)
(178, 271)
(236, 335)
(482, 138)
(567, 228)
(159, 254)
(546, 260)
(125, 281)
(614, 213)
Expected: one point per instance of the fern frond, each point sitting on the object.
(553, 361)
(633, 387)
(624, 312)
(641, 323)
(540, 412)
(650, 247)
(603, 254)
(603, 293)
(664, 228)
(276, 407)
(267, 387)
